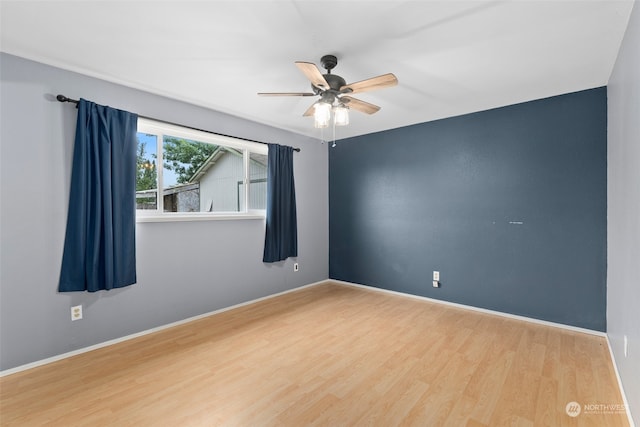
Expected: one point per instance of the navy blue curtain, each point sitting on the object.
(281, 237)
(99, 247)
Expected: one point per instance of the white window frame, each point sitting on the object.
(161, 129)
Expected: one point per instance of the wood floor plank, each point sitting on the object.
(488, 378)
(327, 355)
(461, 411)
(547, 411)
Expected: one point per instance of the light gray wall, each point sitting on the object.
(184, 268)
(623, 230)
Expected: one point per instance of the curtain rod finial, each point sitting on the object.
(63, 98)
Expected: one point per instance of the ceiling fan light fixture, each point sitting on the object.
(322, 114)
(341, 115)
(334, 93)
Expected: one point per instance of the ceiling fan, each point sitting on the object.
(334, 92)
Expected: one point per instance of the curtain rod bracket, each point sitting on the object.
(63, 98)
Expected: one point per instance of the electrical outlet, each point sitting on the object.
(76, 312)
(295, 266)
(436, 276)
(626, 347)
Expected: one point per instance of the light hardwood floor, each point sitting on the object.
(327, 355)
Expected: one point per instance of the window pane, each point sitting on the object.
(201, 177)
(220, 181)
(185, 170)
(147, 173)
(258, 181)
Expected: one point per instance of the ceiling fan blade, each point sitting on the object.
(310, 110)
(380, 82)
(359, 105)
(313, 74)
(286, 94)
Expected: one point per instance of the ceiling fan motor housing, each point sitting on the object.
(335, 81)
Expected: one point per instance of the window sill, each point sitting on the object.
(185, 217)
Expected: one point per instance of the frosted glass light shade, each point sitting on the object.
(322, 115)
(341, 115)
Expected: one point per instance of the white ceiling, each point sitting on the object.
(450, 57)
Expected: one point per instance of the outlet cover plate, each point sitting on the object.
(626, 346)
(76, 312)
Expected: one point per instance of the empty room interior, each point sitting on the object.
(261, 213)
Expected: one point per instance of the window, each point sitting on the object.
(185, 173)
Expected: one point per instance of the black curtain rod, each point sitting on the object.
(63, 98)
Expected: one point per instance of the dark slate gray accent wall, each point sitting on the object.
(508, 204)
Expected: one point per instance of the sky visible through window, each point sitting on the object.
(151, 154)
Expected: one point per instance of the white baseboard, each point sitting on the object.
(478, 309)
(620, 387)
(146, 332)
